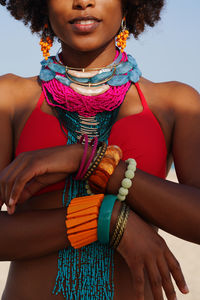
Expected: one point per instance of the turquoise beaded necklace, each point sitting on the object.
(86, 273)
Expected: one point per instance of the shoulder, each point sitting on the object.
(18, 86)
(16, 90)
(177, 96)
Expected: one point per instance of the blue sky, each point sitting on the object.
(169, 51)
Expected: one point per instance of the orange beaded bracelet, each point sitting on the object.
(99, 178)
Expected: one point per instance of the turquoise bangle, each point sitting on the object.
(105, 213)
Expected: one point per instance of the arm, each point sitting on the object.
(32, 234)
(171, 206)
(25, 234)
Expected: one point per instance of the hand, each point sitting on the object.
(143, 249)
(34, 170)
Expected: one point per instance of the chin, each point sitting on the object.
(84, 44)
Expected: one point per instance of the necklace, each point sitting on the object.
(94, 81)
(88, 100)
(86, 273)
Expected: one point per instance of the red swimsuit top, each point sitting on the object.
(139, 136)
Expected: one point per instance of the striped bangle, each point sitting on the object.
(127, 181)
(120, 226)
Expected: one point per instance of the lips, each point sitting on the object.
(85, 24)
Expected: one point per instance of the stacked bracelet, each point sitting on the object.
(82, 219)
(105, 213)
(99, 178)
(84, 137)
(88, 220)
(94, 164)
(127, 182)
(93, 143)
(120, 226)
(85, 165)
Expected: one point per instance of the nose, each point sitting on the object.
(83, 4)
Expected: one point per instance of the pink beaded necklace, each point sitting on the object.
(66, 98)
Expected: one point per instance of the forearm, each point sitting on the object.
(32, 234)
(173, 207)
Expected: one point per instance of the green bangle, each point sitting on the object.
(105, 213)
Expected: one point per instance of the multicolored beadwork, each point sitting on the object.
(86, 273)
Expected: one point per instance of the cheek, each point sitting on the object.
(109, 10)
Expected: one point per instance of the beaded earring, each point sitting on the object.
(46, 42)
(122, 36)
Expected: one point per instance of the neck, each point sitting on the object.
(91, 59)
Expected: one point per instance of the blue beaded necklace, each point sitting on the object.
(114, 75)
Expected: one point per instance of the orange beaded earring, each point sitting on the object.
(123, 35)
(46, 42)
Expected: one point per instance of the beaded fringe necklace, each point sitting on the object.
(86, 273)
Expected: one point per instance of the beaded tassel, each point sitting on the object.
(86, 273)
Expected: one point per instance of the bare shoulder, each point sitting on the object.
(16, 90)
(176, 95)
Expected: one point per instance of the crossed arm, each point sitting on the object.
(156, 200)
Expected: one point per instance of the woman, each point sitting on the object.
(34, 230)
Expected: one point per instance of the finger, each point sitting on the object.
(1, 203)
(8, 177)
(166, 279)
(38, 183)
(11, 209)
(176, 272)
(25, 176)
(155, 280)
(137, 273)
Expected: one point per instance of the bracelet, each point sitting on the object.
(99, 178)
(82, 219)
(84, 137)
(95, 142)
(100, 154)
(127, 182)
(124, 213)
(118, 224)
(105, 213)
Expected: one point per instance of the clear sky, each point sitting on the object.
(169, 51)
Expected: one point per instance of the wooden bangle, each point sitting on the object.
(82, 219)
(99, 178)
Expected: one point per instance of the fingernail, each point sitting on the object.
(9, 210)
(186, 289)
(11, 202)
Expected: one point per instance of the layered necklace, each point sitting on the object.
(86, 102)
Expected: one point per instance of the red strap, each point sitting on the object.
(40, 101)
(141, 95)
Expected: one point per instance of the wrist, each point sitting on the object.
(115, 214)
(116, 178)
(78, 151)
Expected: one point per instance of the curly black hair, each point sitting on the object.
(139, 13)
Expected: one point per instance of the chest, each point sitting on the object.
(138, 133)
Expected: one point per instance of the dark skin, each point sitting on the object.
(33, 260)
